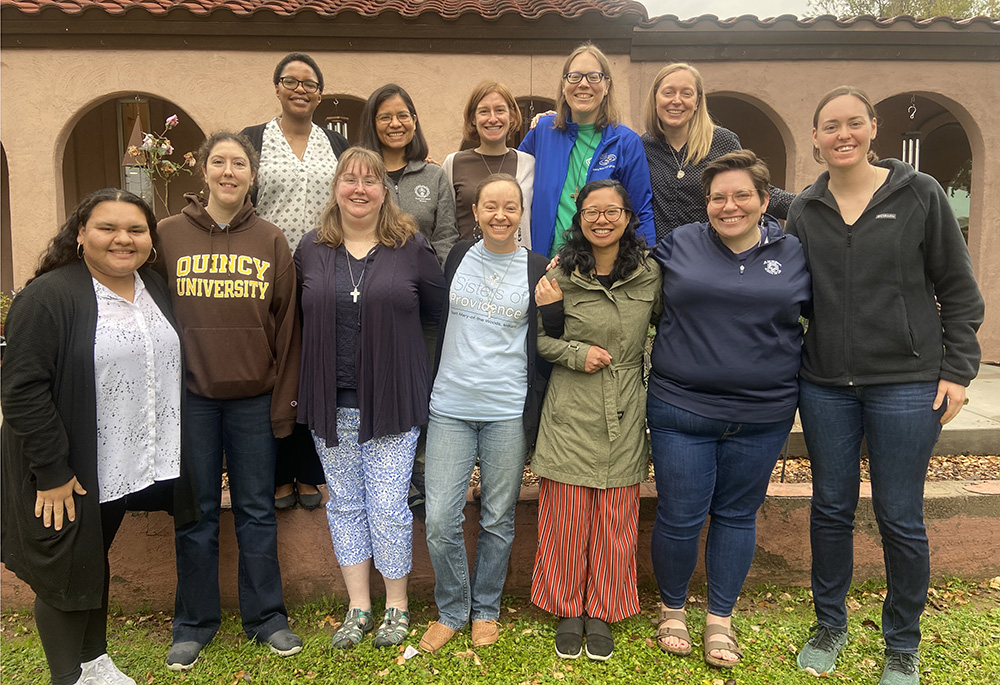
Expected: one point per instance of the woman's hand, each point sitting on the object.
(534, 119)
(547, 292)
(553, 263)
(597, 359)
(49, 504)
(955, 394)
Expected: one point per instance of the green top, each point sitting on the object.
(587, 140)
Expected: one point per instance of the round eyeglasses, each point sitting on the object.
(740, 197)
(612, 214)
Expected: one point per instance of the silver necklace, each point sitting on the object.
(680, 167)
(356, 293)
(499, 168)
(495, 281)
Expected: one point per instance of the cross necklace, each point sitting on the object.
(356, 293)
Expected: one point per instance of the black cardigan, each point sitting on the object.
(256, 135)
(538, 368)
(49, 435)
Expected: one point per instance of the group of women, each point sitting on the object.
(301, 286)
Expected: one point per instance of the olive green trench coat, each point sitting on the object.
(593, 426)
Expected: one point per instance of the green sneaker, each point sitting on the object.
(900, 669)
(819, 654)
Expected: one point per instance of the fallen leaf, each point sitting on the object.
(558, 676)
(853, 604)
(995, 583)
(400, 660)
(651, 643)
(870, 624)
(384, 673)
(149, 677)
(785, 597)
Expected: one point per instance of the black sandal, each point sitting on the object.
(600, 643)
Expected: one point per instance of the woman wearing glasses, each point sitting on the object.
(592, 451)
(680, 141)
(294, 184)
(722, 392)
(582, 142)
(389, 126)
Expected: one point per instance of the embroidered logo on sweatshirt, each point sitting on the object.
(887, 215)
(422, 193)
(606, 162)
(772, 266)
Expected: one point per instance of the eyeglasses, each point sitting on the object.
(402, 117)
(291, 83)
(367, 181)
(591, 76)
(740, 197)
(612, 214)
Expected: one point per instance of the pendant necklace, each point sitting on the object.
(495, 281)
(356, 293)
(680, 167)
(591, 148)
(502, 160)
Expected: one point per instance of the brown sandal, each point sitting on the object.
(663, 630)
(720, 637)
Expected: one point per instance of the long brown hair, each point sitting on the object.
(394, 227)
(608, 113)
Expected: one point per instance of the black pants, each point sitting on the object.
(297, 459)
(70, 638)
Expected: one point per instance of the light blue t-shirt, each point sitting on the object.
(483, 373)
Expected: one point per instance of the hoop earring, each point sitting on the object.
(79, 250)
(477, 233)
(153, 260)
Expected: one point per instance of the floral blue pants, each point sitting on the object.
(368, 486)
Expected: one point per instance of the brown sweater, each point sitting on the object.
(234, 295)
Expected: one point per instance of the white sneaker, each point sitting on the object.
(102, 671)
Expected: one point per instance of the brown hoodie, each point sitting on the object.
(233, 292)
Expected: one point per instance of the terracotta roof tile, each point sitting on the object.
(807, 22)
(448, 9)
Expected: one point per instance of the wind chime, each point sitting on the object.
(911, 139)
(337, 122)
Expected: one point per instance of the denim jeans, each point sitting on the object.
(706, 466)
(901, 428)
(242, 429)
(453, 446)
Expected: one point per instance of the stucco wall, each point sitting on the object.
(44, 94)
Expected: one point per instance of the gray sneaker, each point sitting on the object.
(284, 642)
(819, 654)
(900, 669)
(183, 655)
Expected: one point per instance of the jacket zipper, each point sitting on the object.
(847, 308)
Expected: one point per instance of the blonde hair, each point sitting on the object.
(700, 129)
(608, 113)
(469, 130)
(853, 91)
(393, 228)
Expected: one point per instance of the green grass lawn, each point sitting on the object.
(961, 644)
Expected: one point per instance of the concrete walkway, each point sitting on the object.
(976, 429)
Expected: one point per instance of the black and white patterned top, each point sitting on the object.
(137, 368)
(679, 201)
(291, 192)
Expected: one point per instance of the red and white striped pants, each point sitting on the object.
(585, 560)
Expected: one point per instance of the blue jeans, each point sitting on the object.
(706, 466)
(242, 429)
(901, 429)
(453, 446)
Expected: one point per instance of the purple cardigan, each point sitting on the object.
(394, 379)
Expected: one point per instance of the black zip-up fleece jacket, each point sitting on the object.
(875, 319)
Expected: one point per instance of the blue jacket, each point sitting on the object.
(619, 156)
(729, 342)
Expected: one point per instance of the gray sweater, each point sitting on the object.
(424, 193)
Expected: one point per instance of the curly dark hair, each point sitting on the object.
(576, 252)
(62, 249)
(417, 150)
